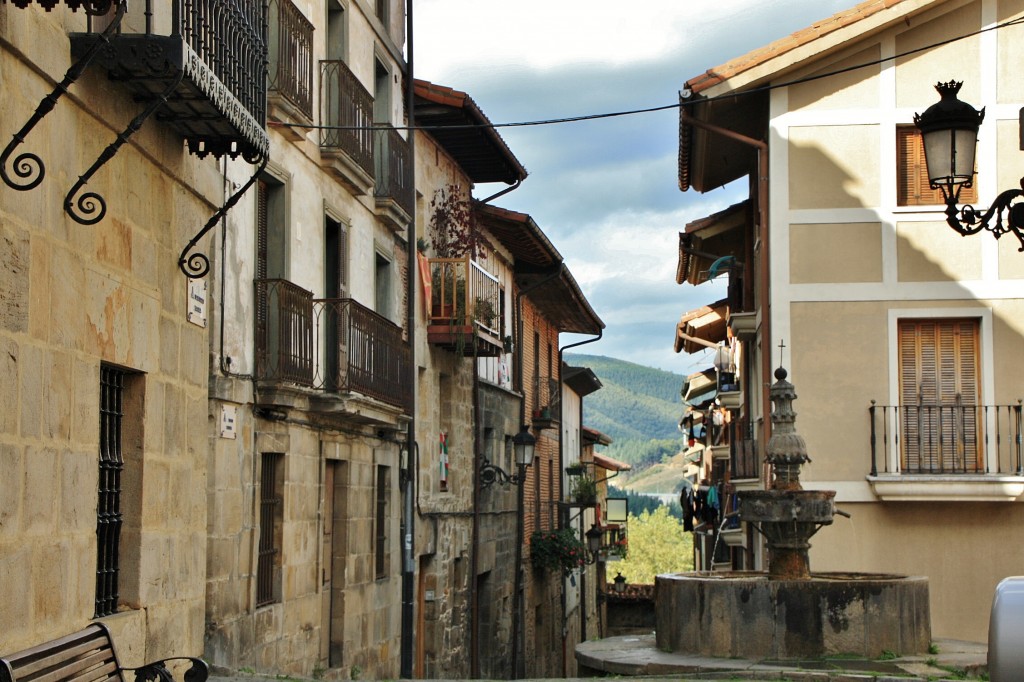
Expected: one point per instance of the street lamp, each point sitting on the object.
(949, 129)
(523, 444)
(620, 583)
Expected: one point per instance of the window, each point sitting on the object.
(382, 11)
(337, 31)
(380, 545)
(271, 232)
(382, 285)
(268, 568)
(381, 92)
(912, 187)
(940, 396)
(117, 512)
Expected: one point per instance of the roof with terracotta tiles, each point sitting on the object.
(453, 119)
(761, 55)
(539, 267)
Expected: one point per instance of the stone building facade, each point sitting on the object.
(104, 435)
(309, 360)
(250, 317)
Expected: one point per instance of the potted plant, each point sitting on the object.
(557, 550)
(583, 490)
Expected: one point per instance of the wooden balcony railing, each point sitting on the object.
(290, 55)
(392, 168)
(465, 307)
(348, 114)
(946, 439)
(744, 462)
(363, 352)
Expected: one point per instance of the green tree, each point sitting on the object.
(657, 544)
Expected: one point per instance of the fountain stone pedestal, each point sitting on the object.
(789, 612)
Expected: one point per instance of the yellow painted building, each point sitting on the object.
(902, 338)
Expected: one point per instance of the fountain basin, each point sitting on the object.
(747, 615)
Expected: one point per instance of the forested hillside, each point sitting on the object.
(638, 407)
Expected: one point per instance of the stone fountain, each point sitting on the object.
(789, 612)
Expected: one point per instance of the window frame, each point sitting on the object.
(986, 371)
(271, 529)
(915, 162)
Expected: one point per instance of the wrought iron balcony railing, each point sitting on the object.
(363, 352)
(465, 307)
(392, 175)
(335, 345)
(284, 332)
(547, 394)
(290, 48)
(946, 439)
(348, 118)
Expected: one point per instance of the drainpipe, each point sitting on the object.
(561, 468)
(762, 237)
(519, 596)
(408, 555)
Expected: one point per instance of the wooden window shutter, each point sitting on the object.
(342, 261)
(261, 229)
(939, 395)
(912, 187)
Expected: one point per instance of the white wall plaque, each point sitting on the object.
(197, 302)
(228, 415)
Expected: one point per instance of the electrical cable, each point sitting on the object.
(665, 107)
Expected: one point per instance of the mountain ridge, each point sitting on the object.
(638, 407)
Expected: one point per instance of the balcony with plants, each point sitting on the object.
(465, 307)
(334, 355)
(466, 312)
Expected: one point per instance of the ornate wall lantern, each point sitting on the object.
(949, 129)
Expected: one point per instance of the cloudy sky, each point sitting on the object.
(604, 191)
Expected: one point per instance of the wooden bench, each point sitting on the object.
(88, 656)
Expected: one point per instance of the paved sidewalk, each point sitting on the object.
(637, 655)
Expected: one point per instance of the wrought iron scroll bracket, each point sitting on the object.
(28, 167)
(968, 220)
(89, 208)
(197, 264)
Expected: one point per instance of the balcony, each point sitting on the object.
(345, 355)
(393, 177)
(346, 141)
(465, 308)
(547, 395)
(290, 73)
(950, 452)
(206, 57)
(744, 462)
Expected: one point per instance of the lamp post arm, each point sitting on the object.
(969, 221)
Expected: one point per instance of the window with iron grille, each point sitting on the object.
(380, 549)
(268, 568)
(120, 469)
(913, 188)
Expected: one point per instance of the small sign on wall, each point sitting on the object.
(197, 302)
(228, 421)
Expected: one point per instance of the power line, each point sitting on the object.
(648, 110)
